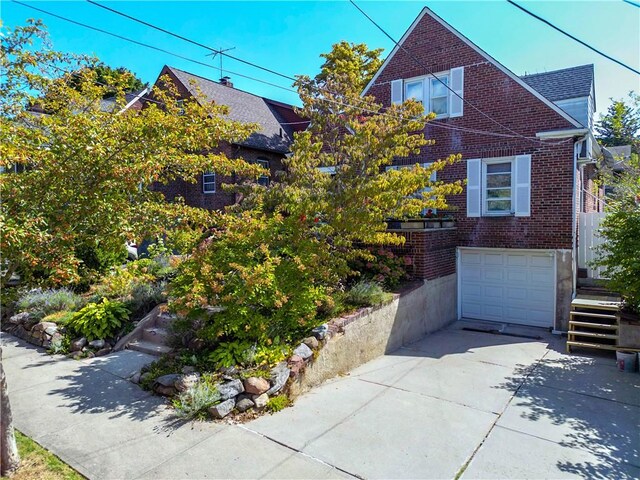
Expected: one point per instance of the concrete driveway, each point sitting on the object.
(458, 403)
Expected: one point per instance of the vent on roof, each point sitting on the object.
(226, 81)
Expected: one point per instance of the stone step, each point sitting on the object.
(155, 335)
(164, 320)
(148, 347)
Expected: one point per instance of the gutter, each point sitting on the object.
(574, 132)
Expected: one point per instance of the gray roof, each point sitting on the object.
(562, 84)
(244, 107)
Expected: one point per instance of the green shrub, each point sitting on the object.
(365, 293)
(60, 345)
(278, 403)
(41, 303)
(163, 366)
(195, 401)
(145, 296)
(99, 320)
(382, 265)
(229, 354)
(61, 318)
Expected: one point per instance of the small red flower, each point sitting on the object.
(316, 220)
(303, 217)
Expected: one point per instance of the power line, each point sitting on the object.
(599, 52)
(336, 102)
(219, 51)
(632, 3)
(429, 72)
(158, 49)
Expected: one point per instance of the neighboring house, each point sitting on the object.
(268, 146)
(512, 256)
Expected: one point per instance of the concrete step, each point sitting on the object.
(164, 320)
(155, 335)
(602, 326)
(148, 347)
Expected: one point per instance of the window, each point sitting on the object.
(209, 182)
(441, 93)
(497, 188)
(263, 179)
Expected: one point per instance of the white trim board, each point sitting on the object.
(497, 64)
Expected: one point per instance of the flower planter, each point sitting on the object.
(448, 224)
(432, 224)
(412, 225)
(394, 224)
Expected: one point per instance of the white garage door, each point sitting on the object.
(513, 286)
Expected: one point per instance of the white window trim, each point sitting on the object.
(264, 163)
(206, 182)
(483, 184)
(426, 90)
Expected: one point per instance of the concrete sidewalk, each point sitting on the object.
(482, 405)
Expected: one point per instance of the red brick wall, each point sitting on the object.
(193, 193)
(432, 251)
(505, 100)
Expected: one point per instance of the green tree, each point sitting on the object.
(620, 254)
(85, 169)
(281, 254)
(621, 124)
(106, 75)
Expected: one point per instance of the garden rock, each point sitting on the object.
(97, 344)
(164, 385)
(260, 401)
(19, 318)
(39, 329)
(30, 322)
(230, 389)
(78, 344)
(297, 364)
(244, 405)
(185, 382)
(279, 376)
(303, 351)
(187, 369)
(196, 344)
(103, 351)
(256, 385)
(311, 342)
(222, 409)
(136, 378)
(320, 332)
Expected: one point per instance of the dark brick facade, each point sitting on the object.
(433, 252)
(502, 98)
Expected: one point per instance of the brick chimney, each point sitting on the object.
(226, 81)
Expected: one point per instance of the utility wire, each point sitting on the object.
(121, 37)
(429, 72)
(599, 52)
(218, 51)
(336, 102)
(637, 5)
(155, 27)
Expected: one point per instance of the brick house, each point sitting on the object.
(512, 255)
(268, 146)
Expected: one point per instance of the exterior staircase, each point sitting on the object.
(594, 322)
(150, 335)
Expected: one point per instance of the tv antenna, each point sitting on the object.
(220, 52)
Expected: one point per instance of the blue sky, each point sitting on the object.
(289, 36)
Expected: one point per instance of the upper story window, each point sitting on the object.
(498, 187)
(441, 93)
(263, 179)
(208, 182)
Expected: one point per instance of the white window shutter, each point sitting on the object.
(456, 105)
(522, 183)
(396, 91)
(474, 179)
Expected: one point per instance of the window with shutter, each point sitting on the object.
(499, 186)
(441, 93)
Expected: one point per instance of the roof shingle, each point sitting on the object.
(273, 135)
(574, 82)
